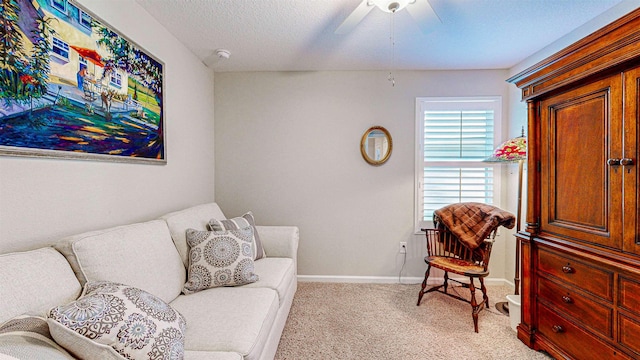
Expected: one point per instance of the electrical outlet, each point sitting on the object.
(403, 247)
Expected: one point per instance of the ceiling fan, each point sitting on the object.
(420, 10)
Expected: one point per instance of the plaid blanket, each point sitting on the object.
(473, 222)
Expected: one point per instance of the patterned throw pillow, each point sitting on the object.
(239, 223)
(116, 321)
(219, 258)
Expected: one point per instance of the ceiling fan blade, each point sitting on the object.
(423, 14)
(354, 18)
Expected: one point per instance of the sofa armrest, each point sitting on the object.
(279, 241)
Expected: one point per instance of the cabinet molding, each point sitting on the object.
(613, 45)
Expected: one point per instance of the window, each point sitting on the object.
(84, 19)
(116, 79)
(60, 48)
(60, 5)
(454, 136)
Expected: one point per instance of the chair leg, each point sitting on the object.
(484, 292)
(446, 281)
(474, 304)
(424, 284)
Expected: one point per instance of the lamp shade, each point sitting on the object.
(509, 151)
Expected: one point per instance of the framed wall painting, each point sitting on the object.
(73, 87)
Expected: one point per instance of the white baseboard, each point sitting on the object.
(387, 280)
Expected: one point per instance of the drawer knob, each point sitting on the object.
(567, 299)
(557, 329)
(567, 269)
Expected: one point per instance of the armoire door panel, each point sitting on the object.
(631, 241)
(579, 188)
(580, 148)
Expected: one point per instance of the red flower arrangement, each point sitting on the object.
(28, 79)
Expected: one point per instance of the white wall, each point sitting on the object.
(287, 148)
(42, 200)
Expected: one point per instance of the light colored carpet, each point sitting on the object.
(382, 321)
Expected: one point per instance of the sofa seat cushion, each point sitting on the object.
(235, 319)
(211, 355)
(276, 274)
(141, 255)
(20, 346)
(196, 217)
(34, 281)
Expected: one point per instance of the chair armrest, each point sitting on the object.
(279, 241)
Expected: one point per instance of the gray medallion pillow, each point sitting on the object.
(219, 258)
(239, 223)
(116, 321)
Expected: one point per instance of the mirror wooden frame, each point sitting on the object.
(363, 143)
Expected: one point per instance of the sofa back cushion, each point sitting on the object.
(34, 281)
(196, 217)
(140, 255)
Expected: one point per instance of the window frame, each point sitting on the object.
(419, 223)
(63, 46)
(115, 79)
(81, 15)
(61, 5)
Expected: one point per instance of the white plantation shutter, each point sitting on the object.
(449, 185)
(458, 135)
(455, 135)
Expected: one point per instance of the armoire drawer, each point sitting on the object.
(590, 278)
(579, 343)
(629, 293)
(629, 330)
(588, 312)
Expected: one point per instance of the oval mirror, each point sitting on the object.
(376, 145)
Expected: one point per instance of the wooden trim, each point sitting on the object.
(612, 45)
(533, 179)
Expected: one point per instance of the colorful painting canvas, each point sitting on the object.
(72, 87)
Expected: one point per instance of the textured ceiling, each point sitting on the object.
(281, 35)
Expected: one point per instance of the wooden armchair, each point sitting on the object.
(446, 252)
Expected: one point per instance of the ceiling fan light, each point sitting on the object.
(391, 5)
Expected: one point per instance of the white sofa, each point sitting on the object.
(242, 322)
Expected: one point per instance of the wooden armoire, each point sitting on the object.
(580, 249)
